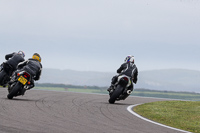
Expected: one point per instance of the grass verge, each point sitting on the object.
(183, 115)
(136, 92)
(69, 89)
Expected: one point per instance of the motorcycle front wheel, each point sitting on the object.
(115, 94)
(14, 90)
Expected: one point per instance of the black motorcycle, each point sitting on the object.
(120, 91)
(5, 73)
(19, 83)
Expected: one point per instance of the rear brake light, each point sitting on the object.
(26, 75)
(125, 78)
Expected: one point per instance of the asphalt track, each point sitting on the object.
(65, 112)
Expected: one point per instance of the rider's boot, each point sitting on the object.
(110, 88)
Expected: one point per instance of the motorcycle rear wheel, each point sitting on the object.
(14, 91)
(115, 94)
(2, 77)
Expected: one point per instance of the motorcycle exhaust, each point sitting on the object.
(129, 92)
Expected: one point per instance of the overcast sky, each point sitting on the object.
(96, 35)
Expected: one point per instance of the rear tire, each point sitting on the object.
(2, 77)
(14, 91)
(115, 94)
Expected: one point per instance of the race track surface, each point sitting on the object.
(66, 112)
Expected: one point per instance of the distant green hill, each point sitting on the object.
(169, 79)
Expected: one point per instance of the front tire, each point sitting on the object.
(115, 94)
(14, 91)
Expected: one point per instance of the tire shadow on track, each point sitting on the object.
(19, 99)
(124, 104)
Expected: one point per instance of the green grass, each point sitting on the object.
(70, 89)
(136, 92)
(167, 94)
(183, 115)
(50, 88)
(84, 90)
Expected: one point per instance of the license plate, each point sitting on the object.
(22, 80)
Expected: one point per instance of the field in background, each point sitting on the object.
(136, 92)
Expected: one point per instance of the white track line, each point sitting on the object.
(129, 108)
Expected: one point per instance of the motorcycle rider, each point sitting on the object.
(129, 69)
(13, 60)
(33, 66)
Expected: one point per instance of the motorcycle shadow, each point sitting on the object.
(20, 99)
(123, 104)
(126, 104)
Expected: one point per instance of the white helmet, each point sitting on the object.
(129, 58)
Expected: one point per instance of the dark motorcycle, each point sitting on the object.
(5, 73)
(20, 82)
(120, 91)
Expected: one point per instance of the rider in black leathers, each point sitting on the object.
(129, 69)
(13, 60)
(33, 67)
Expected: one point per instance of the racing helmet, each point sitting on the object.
(129, 58)
(21, 53)
(36, 56)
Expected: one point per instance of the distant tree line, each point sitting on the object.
(68, 86)
(137, 91)
(103, 88)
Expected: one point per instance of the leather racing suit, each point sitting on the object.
(129, 69)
